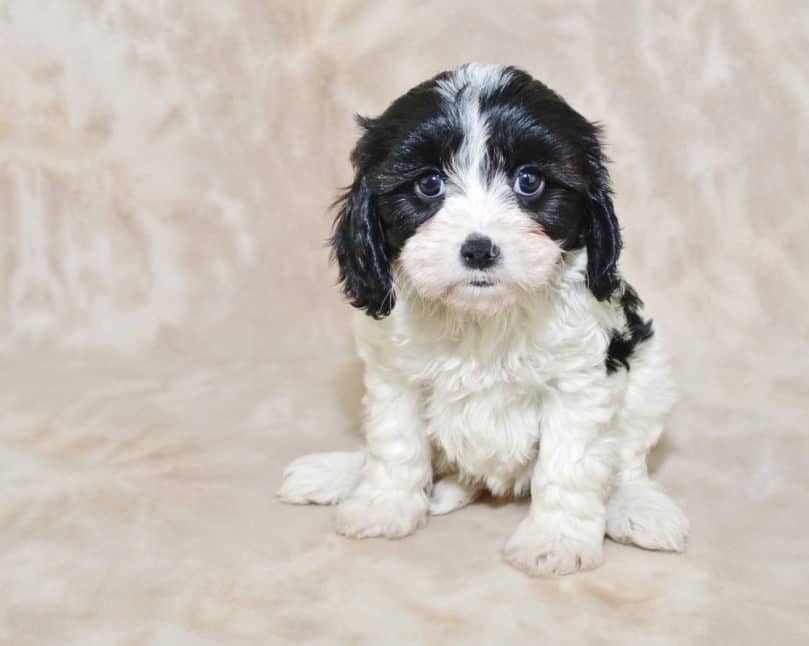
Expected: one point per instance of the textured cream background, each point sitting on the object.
(171, 336)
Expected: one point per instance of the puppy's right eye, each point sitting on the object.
(430, 186)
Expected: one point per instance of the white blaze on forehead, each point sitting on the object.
(478, 77)
(462, 90)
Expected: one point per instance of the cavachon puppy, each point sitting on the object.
(503, 350)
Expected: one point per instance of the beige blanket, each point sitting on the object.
(171, 337)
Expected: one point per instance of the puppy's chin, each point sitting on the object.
(480, 299)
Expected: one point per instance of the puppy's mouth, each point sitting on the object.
(482, 282)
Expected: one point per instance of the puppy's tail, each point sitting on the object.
(640, 513)
(321, 478)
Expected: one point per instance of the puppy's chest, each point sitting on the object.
(483, 412)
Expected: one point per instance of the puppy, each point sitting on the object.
(503, 351)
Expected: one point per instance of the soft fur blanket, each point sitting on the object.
(171, 335)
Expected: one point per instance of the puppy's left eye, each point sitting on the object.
(430, 186)
(528, 182)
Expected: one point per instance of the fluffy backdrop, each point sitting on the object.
(171, 336)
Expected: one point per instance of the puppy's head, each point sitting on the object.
(470, 187)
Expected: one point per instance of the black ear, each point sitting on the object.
(358, 244)
(601, 232)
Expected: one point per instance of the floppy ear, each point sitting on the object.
(601, 232)
(358, 244)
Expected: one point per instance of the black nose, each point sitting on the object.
(479, 252)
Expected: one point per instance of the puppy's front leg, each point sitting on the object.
(564, 530)
(390, 499)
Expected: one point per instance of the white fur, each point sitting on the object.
(501, 388)
(528, 256)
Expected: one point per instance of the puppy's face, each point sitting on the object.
(470, 187)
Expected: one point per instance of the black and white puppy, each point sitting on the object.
(502, 349)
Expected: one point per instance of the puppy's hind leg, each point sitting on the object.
(322, 478)
(638, 511)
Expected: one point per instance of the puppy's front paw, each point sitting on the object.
(390, 514)
(548, 545)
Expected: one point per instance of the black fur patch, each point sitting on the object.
(636, 331)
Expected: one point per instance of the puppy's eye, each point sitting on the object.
(430, 186)
(528, 182)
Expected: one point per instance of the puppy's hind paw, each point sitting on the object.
(641, 514)
(450, 494)
(321, 478)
